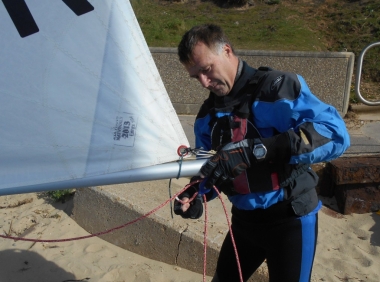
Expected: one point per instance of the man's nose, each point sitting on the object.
(204, 80)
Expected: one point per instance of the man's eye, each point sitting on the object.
(206, 70)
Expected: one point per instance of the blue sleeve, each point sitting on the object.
(202, 133)
(317, 132)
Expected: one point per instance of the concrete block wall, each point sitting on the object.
(328, 75)
(170, 240)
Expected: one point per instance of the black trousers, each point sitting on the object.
(286, 241)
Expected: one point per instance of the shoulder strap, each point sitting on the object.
(244, 110)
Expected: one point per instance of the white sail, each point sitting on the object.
(80, 95)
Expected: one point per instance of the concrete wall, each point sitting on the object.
(328, 75)
(175, 241)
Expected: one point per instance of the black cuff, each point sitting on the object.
(278, 148)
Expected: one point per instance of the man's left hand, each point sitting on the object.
(229, 162)
(186, 208)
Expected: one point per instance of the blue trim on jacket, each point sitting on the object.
(281, 115)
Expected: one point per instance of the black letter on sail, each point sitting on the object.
(21, 17)
(23, 20)
(79, 7)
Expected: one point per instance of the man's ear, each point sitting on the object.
(227, 50)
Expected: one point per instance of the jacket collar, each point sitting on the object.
(243, 75)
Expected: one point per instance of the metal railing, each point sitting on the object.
(359, 73)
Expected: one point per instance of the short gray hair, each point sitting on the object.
(209, 34)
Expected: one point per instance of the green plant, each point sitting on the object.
(289, 25)
(60, 195)
(353, 98)
(262, 27)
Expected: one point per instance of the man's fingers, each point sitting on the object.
(185, 199)
(207, 168)
(185, 204)
(213, 178)
(185, 207)
(237, 170)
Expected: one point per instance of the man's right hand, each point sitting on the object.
(229, 162)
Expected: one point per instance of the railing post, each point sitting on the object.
(359, 73)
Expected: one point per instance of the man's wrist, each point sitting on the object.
(278, 147)
(259, 150)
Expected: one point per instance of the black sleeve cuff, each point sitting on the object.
(278, 148)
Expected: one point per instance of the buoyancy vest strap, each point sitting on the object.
(275, 182)
(239, 130)
(221, 132)
(238, 133)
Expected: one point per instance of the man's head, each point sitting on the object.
(208, 56)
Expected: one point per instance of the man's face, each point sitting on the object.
(215, 71)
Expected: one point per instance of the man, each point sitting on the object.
(267, 128)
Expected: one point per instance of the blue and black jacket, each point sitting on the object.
(279, 104)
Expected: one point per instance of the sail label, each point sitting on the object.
(125, 130)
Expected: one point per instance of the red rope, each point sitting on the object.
(99, 233)
(148, 214)
(205, 240)
(232, 236)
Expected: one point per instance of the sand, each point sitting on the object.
(348, 248)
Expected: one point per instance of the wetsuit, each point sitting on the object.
(272, 222)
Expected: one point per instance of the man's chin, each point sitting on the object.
(220, 93)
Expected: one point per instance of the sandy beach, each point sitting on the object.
(348, 248)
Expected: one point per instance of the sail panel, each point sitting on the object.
(81, 96)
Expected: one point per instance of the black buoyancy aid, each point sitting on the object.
(260, 176)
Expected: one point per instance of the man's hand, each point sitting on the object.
(229, 162)
(186, 209)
